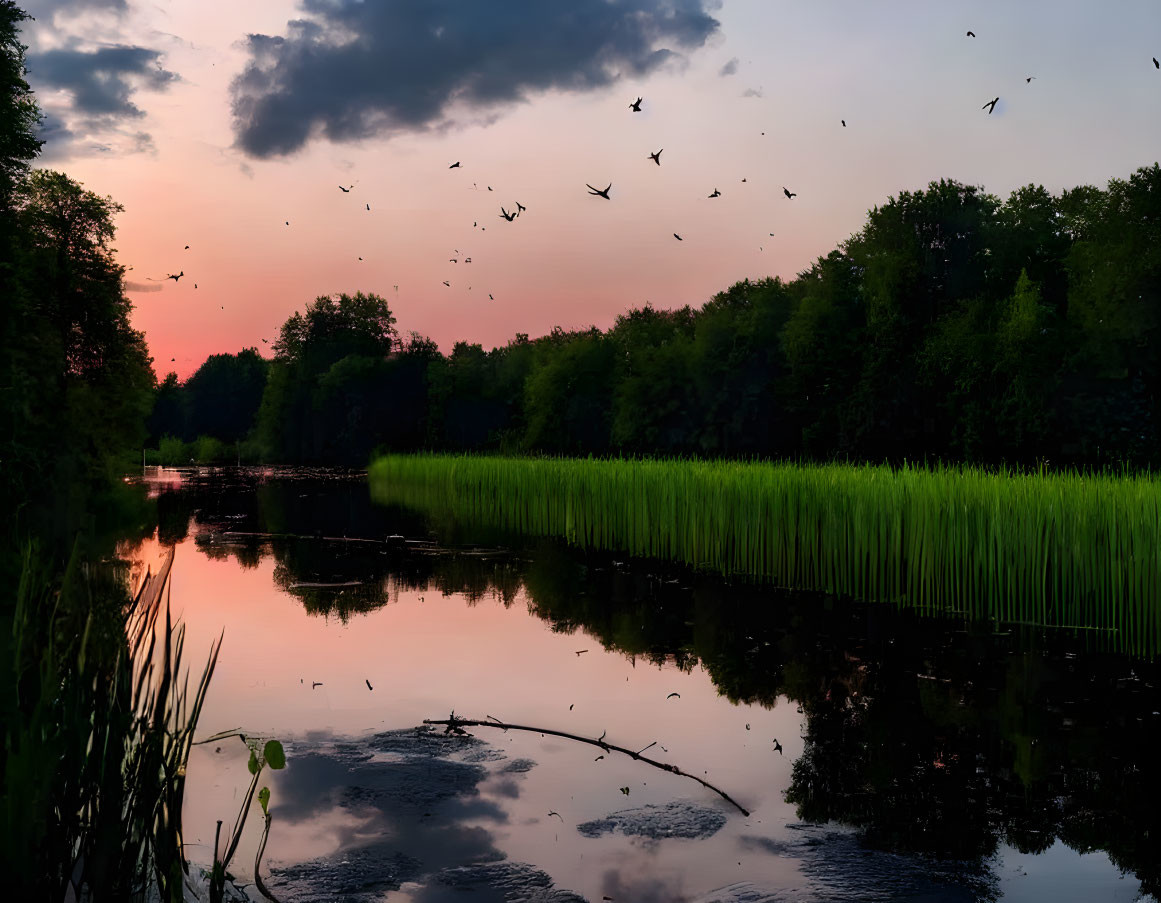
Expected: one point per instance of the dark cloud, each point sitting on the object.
(50, 9)
(729, 68)
(353, 69)
(101, 82)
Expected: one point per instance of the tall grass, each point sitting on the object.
(98, 718)
(1063, 549)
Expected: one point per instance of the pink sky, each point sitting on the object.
(905, 77)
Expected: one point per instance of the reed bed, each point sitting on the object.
(1065, 550)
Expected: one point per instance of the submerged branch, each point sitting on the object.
(457, 724)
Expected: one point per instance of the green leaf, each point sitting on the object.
(264, 799)
(253, 763)
(274, 755)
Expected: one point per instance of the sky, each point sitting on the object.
(218, 123)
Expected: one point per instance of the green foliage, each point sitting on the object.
(19, 114)
(1065, 550)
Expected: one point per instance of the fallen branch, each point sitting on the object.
(456, 725)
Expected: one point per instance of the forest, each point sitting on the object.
(954, 326)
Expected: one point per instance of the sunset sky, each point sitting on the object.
(216, 123)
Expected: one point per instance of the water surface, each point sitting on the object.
(920, 759)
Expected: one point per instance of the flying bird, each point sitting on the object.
(490, 298)
(635, 106)
(1156, 65)
(604, 193)
(579, 651)
(317, 683)
(1029, 79)
(175, 278)
(288, 222)
(266, 341)
(557, 814)
(990, 106)
(716, 194)
(448, 284)
(195, 285)
(187, 247)
(778, 747)
(844, 122)
(454, 165)
(678, 237)
(520, 208)
(971, 34)
(656, 158)
(369, 687)
(368, 206)
(671, 695)
(506, 215)
(345, 190)
(789, 194)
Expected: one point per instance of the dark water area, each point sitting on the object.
(882, 755)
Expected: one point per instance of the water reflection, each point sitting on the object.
(931, 739)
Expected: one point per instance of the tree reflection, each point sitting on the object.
(930, 737)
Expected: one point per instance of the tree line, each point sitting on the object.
(954, 326)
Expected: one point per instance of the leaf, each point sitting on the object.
(264, 799)
(253, 763)
(274, 754)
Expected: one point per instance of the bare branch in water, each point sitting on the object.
(456, 725)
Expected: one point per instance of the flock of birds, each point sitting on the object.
(511, 215)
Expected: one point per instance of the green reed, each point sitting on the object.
(1071, 550)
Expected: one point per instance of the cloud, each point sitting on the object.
(86, 96)
(753, 92)
(50, 9)
(729, 68)
(101, 82)
(352, 69)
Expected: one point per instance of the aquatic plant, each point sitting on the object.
(98, 718)
(1074, 550)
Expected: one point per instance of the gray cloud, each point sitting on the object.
(353, 69)
(729, 68)
(753, 92)
(102, 81)
(49, 9)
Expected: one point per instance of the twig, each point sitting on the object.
(454, 723)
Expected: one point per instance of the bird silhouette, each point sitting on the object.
(671, 695)
(368, 206)
(778, 747)
(454, 165)
(266, 341)
(1029, 79)
(520, 208)
(971, 34)
(635, 106)
(716, 194)
(317, 683)
(604, 193)
(990, 106)
(288, 222)
(448, 284)
(557, 814)
(582, 652)
(678, 237)
(789, 194)
(506, 215)
(175, 278)
(186, 247)
(369, 687)
(195, 285)
(1156, 65)
(656, 158)
(844, 122)
(345, 190)
(490, 298)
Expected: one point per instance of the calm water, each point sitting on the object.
(920, 759)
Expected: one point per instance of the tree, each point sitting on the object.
(329, 375)
(222, 397)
